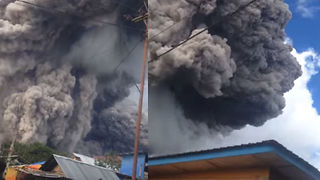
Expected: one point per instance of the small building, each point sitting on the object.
(31, 171)
(78, 167)
(266, 160)
(77, 170)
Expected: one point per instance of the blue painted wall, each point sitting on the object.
(126, 165)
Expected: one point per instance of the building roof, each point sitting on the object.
(266, 153)
(85, 159)
(132, 153)
(29, 172)
(74, 169)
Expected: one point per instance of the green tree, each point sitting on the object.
(111, 160)
(30, 153)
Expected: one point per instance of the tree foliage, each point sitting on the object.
(111, 160)
(29, 153)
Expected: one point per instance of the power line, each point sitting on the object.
(137, 87)
(55, 12)
(200, 32)
(164, 30)
(108, 23)
(125, 58)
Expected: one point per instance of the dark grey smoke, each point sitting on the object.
(113, 126)
(57, 61)
(232, 75)
(114, 129)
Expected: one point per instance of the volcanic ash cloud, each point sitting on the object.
(56, 59)
(231, 75)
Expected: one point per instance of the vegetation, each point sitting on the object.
(28, 153)
(111, 160)
(25, 154)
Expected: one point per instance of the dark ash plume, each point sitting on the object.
(114, 128)
(57, 58)
(232, 75)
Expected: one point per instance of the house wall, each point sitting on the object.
(127, 165)
(275, 175)
(232, 174)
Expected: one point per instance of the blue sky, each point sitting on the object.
(304, 30)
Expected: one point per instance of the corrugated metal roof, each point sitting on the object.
(85, 159)
(81, 171)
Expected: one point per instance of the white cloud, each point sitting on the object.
(298, 128)
(306, 8)
(289, 41)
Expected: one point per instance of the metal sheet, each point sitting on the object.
(81, 171)
(85, 159)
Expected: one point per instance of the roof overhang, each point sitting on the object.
(266, 154)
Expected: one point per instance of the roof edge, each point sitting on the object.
(270, 146)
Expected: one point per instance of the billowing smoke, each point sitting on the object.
(231, 75)
(121, 132)
(60, 73)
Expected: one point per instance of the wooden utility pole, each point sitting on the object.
(9, 156)
(136, 141)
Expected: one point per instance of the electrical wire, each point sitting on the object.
(55, 12)
(126, 57)
(164, 30)
(114, 24)
(200, 32)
